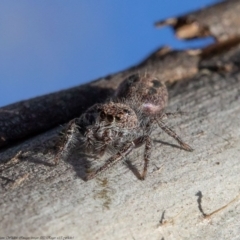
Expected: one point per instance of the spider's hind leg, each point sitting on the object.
(172, 134)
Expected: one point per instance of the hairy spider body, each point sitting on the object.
(108, 125)
(145, 92)
(124, 123)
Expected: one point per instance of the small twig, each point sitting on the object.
(205, 215)
(13, 161)
(222, 208)
(19, 180)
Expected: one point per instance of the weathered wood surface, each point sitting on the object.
(176, 200)
(185, 195)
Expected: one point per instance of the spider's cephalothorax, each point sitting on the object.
(107, 125)
(124, 123)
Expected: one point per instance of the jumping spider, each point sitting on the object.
(124, 123)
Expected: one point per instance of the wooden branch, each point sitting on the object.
(220, 21)
(185, 195)
(30, 117)
(26, 118)
(39, 199)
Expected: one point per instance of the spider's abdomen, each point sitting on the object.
(144, 90)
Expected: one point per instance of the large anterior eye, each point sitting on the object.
(110, 118)
(156, 83)
(117, 118)
(133, 78)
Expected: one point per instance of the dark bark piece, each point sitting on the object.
(39, 114)
(220, 21)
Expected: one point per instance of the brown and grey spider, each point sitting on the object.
(124, 123)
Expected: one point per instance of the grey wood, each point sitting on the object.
(185, 195)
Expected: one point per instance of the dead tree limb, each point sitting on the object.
(185, 195)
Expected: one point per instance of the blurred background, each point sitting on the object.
(47, 46)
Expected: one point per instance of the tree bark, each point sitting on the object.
(186, 195)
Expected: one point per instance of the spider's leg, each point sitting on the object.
(172, 134)
(174, 114)
(113, 160)
(69, 133)
(147, 153)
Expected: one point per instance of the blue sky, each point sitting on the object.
(47, 46)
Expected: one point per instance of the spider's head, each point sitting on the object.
(108, 115)
(117, 115)
(108, 123)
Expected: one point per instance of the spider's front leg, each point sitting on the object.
(126, 150)
(69, 138)
(113, 160)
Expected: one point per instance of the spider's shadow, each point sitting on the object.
(76, 158)
(168, 144)
(80, 162)
(133, 169)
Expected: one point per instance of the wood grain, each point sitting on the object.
(185, 195)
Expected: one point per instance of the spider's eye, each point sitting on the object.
(117, 118)
(102, 115)
(126, 111)
(110, 118)
(156, 83)
(133, 79)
